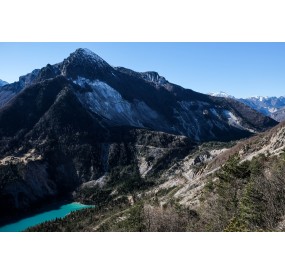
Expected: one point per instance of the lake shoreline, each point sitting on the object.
(57, 209)
(36, 209)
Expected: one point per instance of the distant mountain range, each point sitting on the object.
(269, 106)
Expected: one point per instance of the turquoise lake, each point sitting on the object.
(38, 218)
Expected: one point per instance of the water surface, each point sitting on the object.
(60, 212)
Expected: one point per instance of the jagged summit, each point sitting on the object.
(83, 56)
(149, 76)
(154, 77)
(266, 104)
(88, 55)
(258, 97)
(84, 63)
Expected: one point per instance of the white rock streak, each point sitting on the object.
(107, 102)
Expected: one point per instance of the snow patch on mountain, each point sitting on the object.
(258, 97)
(266, 105)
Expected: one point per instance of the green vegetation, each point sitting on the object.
(127, 180)
(123, 181)
(241, 196)
(83, 220)
(144, 215)
(148, 216)
(92, 195)
(246, 196)
(166, 191)
(11, 173)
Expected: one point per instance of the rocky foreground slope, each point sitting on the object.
(214, 188)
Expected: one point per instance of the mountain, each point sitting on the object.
(145, 100)
(215, 187)
(269, 106)
(2, 83)
(265, 105)
(7, 92)
(83, 124)
(279, 115)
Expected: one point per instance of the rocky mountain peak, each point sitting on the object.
(154, 77)
(84, 63)
(149, 76)
(89, 56)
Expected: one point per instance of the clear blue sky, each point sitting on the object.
(240, 69)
